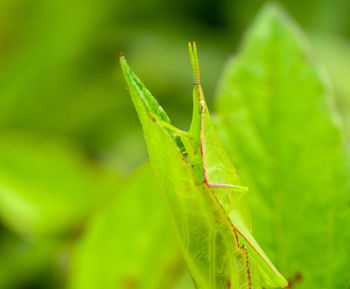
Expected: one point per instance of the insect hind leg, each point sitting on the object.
(234, 193)
(235, 188)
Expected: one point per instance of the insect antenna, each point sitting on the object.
(194, 62)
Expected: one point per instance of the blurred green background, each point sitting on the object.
(70, 137)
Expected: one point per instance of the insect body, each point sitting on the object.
(220, 175)
(204, 179)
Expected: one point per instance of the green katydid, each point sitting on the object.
(197, 175)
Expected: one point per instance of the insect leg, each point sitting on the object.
(167, 125)
(234, 188)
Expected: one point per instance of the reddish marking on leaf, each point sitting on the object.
(217, 220)
(229, 284)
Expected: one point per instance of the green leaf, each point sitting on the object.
(335, 55)
(47, 186)
(218, 250)
(275, 119)
(28, 260)
(129, 243)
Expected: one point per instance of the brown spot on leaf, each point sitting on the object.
(129, 283)
(298, 276)
(296, 279)
(77, 230)
(229, 284)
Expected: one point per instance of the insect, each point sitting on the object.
(204, 159)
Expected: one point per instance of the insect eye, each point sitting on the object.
(202, 103)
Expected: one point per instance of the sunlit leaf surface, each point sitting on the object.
(129, 244)
(275, 117)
